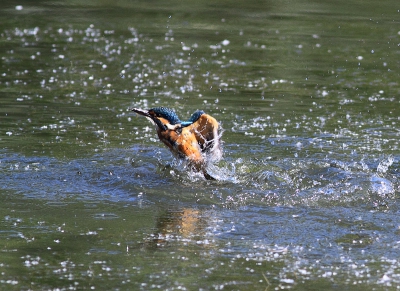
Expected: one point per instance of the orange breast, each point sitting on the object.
(189, 142)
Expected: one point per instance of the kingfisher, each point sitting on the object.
(195, 140)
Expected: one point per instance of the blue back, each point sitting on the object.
(173, 118)
(195, 116)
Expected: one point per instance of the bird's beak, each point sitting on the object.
(141, 112)
(152, 118)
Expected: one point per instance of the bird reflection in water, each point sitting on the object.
(177, 224)
(196, 140)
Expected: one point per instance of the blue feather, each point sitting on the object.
(166, 113)
(173, 118)
(195, 116)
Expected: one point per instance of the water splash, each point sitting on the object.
(384, 164)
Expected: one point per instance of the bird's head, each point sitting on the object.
(164, 118)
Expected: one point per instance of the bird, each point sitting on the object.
(195, 140)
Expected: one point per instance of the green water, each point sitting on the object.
(306, 196)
